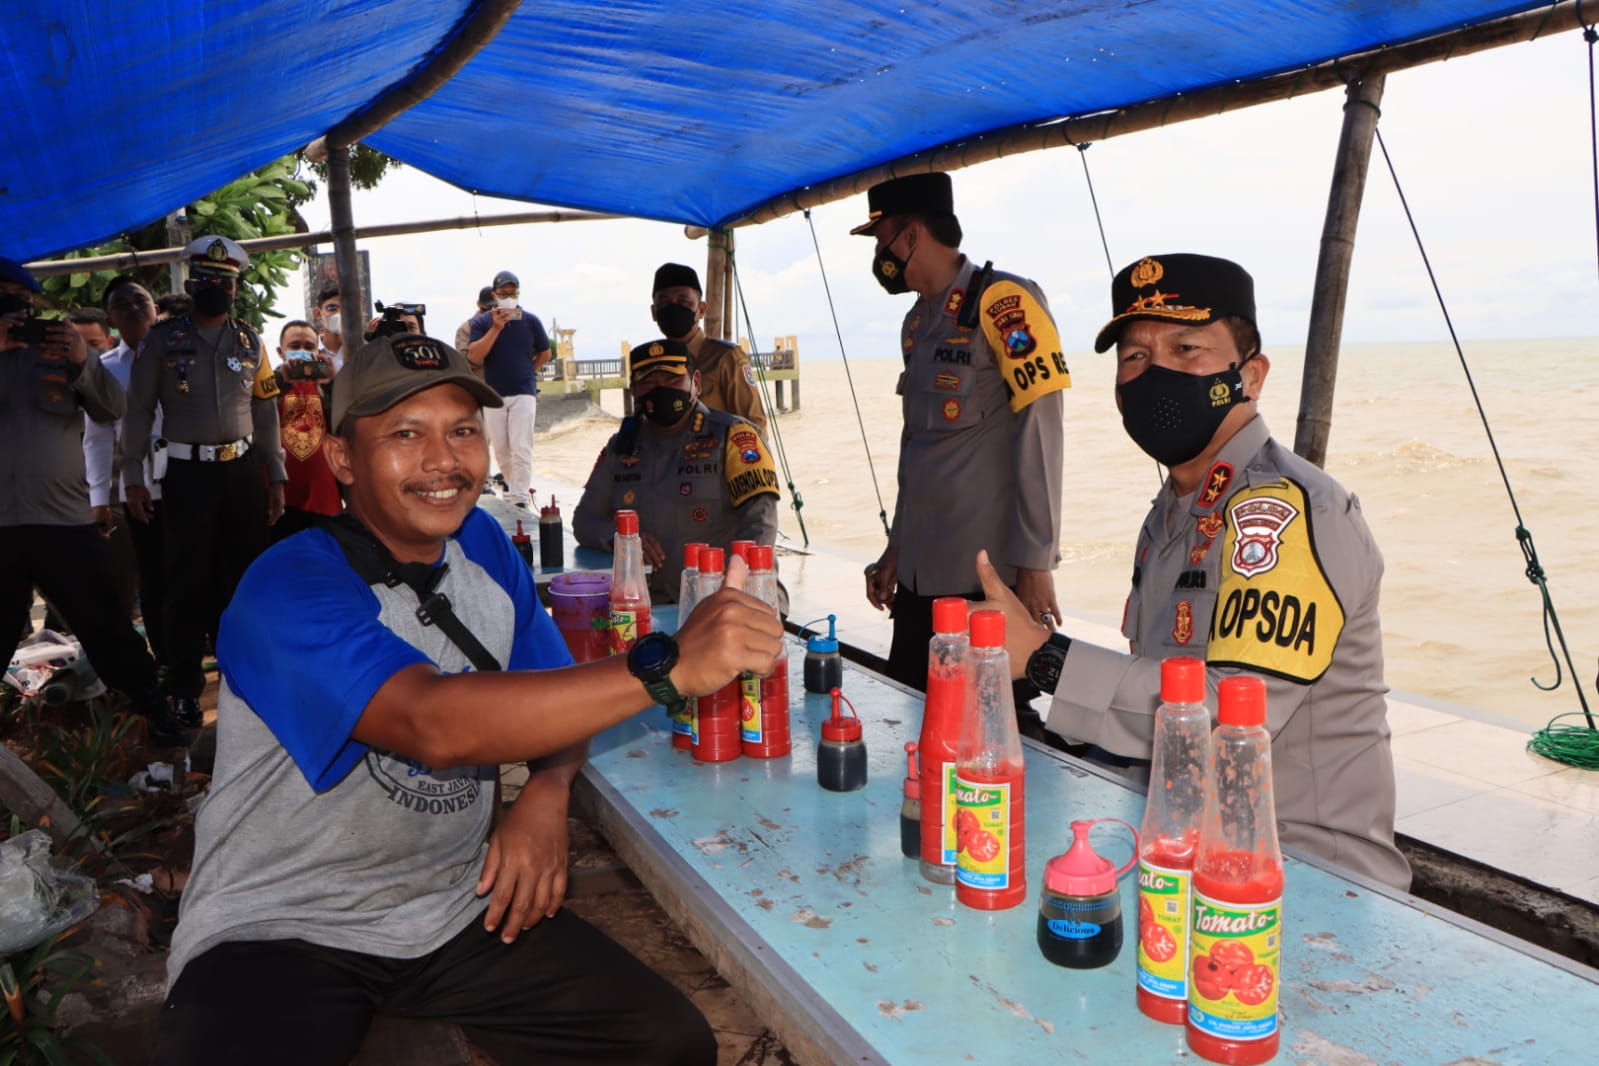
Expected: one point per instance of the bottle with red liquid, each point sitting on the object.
(990, 809)
(630, 597)
(688, 591)
(942, 713)
(763, 701)
(715, 737)
(1236, 929)
(1176, 804)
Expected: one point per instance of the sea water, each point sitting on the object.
(1461, 622)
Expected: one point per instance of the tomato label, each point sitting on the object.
(946, 799)
(1163, 906)
(624, 631)
(749, 709)
(982, 826)
(685, 721)
(1234, 968)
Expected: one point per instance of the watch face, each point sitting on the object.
(650, 652)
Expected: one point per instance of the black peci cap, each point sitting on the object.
(672, 275)
(914, 194)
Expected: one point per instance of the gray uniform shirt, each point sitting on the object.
(42, 403)
(385, 861)
(974, 472)
(231, 393)
(1301, 546)
(709, 480)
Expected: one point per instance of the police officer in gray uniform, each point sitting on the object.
(981, 449)
(1251, 558)
(47, 536)
(208, 373)
(691, 473)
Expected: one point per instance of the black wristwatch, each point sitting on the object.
(1044, 665)
(651, 660)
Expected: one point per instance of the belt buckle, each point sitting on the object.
(227, 452)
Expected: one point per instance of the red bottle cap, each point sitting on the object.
(949, 614)
(838, 727)
(519, 534)
(711, 560)
(691, 556)
(741, 548)
(760, 557)
(627, 523)
(913, 780)
(988, 629)
(551, 508)
(1081, 871)
(1241, 701)
(1182, 680)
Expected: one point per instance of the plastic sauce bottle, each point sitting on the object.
(688, 592)
(1080, 912)
(990, 814)
(552, 550)
(1176, 804)
(841, 755)
(910, 808)
(763, 702)
(1236, 929)
(948, 656)
(715, 734)
(523, 543)
(630, 597)
(824, 670)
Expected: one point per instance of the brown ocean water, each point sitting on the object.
(1461, 621)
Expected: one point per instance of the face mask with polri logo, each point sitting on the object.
(1172, 416)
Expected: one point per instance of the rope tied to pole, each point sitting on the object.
(882, 511)
(1551, 742)
(1082, 153)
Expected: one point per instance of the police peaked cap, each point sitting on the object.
(216, 255)
(658, 355)
(1192, 289)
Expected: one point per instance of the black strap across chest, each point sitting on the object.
(376, 565)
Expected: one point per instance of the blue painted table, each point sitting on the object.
(801, 899)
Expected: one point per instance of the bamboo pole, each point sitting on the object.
(1034, 136)
(480, 28)
(729, 291)
(351, 299)
(715, 284)
(1331, 291)
(124, 260)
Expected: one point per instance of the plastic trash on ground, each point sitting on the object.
(36, 899)
(53, 667)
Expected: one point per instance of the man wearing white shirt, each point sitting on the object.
(131, 311)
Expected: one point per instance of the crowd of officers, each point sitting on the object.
(156, 450)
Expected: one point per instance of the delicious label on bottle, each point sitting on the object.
(946, 802)
(1237, 954)
(982, 832)
(1163, 906)
(749, 709)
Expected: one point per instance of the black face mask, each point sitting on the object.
(675, 320)
(212, 300)
(889, 270)
(1172, 416)
(664, 405)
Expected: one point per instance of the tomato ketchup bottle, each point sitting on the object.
(630, 597)
(763, 703)
(714, 737)
(990, 811)
(1176, 805)
(1236, 929)
(948, 655)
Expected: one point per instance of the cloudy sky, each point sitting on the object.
(1493, 151)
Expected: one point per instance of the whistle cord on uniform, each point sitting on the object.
(1534, 570)
(1082, 153)
(796, 500)
(882, 511)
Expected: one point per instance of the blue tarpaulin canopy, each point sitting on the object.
(690, 111)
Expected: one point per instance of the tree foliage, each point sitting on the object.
(264, 203)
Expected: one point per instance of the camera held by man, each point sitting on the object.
(396, 319)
